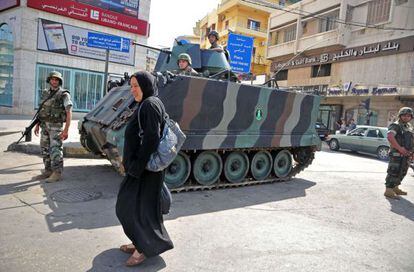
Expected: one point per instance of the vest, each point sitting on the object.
(404, 134)
(53, 111)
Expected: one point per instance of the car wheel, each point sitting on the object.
(382, 152)
(334, 145)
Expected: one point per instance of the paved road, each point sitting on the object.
(332, 217)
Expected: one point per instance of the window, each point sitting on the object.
(329, 21)
(321, 70)
(378, 11)
(254, 25)
(6, 65)
(272, 38)
(282, 75)
(289, 34)
(226, 24)
(213, 27)
(400, 2)
(86, 88)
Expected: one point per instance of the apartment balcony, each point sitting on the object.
(329, 39)
(245, 29)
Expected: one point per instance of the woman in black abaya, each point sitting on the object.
(138, 205)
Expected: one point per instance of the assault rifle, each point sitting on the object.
(35, 120)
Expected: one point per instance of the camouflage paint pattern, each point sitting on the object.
(219, 115)
(51, 146)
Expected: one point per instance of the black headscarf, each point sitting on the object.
(147, 83)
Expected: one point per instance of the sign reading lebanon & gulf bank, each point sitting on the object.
(92, 14)
(361, 52)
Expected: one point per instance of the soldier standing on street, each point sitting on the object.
(184, 63)
(213, 38)
(400, 136)
(55, 111)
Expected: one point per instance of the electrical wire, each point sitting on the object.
(309, 14)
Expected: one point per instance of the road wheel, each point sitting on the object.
(382, 152)
(282, 164)
(178, 171)
(261, 165)
(207, 167)
(236, 166)
(334, 145)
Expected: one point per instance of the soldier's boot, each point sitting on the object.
(56, 176)
(389, 192)
(398, 191)
(43, 174)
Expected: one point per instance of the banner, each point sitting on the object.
(240, 49)
(93, 14)
(126, 7)
(70, 40)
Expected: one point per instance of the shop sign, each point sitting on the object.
(6, 4)
(92, 14)
(363, 90)
(70, 40)
(371, 50)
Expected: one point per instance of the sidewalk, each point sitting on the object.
(15, 124)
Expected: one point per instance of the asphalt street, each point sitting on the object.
(331, 217)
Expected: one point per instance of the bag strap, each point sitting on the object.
(164, 117)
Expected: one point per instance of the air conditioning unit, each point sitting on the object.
(222, 17)
(262, 43)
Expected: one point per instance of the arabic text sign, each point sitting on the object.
(367, 51)
(240, 49)
(91, 14)
(109, 42)
(65, 39)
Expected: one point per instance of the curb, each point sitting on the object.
(72, 150)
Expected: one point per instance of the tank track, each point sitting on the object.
(192, 185)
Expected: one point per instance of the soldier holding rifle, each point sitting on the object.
(400, 136)
(55, 109)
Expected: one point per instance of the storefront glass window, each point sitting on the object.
(86, 88)
(6, 65)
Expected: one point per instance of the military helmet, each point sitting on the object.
(214, 33)
(184, 56)
(406, 110)
(55, 74)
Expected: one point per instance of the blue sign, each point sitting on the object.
(110, 42)
(240, 49)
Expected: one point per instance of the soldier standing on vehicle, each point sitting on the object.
(213, 38)
(184, 63)
(400, 136)
(56, 110)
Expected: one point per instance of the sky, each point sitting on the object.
(172, 18)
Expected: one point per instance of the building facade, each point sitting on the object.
(248, 18)
(69, 36)
(357, 54)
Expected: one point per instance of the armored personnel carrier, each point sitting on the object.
(237, 134)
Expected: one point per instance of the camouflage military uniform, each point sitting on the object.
(52, 116)
(187, 70)
(398, 164)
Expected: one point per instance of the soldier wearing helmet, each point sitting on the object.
(184, 63)
(56, 109)
(213, 38)
(400, 137)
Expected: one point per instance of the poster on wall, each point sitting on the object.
(119, 14)
(6, 4)
(70, 40)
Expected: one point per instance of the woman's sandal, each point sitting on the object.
(130, 248)
(135, 260)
